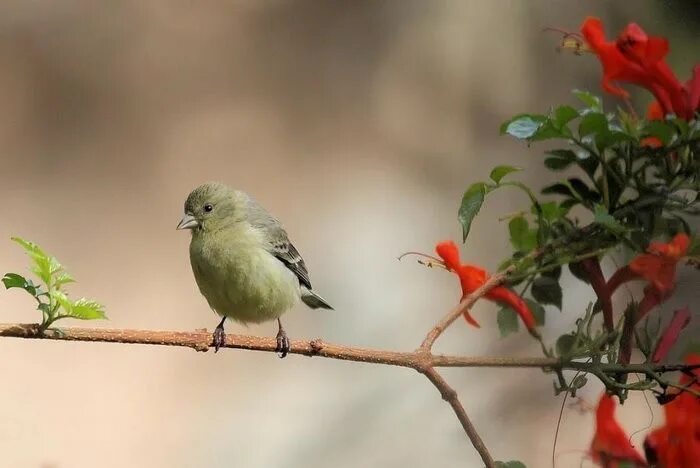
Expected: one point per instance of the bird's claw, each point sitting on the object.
(218, 338)
(283, 345)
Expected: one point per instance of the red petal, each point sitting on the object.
(610, 442)
(470, 320)
(449, 253)
(693, 89)
(508, 298)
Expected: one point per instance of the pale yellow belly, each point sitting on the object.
(245, 284)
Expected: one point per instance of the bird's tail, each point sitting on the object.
(313, 300)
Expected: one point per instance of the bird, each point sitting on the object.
(243, 261)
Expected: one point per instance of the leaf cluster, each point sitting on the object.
(49, 293)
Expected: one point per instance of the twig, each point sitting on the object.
(465, 304)
(450, 396)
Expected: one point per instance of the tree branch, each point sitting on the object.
(421, 360)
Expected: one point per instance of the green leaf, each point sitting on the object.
(499, 172)
(546, 290)
(523, 127)
(593, 123)
(552, 211)
(85, 309)
(507, 320)
(579, 272)
(522, 237)
(63, 301)
(63, 278)
(592, 101)
(564, 114)
(43, 264)
(574, 188)
(13, 280)
(602, 217)
(556, 163)
(471, 204)
(664, 130)
(537, 310)
(554, 273)
(510, 464)
(565, 344)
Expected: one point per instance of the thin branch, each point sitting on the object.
(464, 305)
(450, 396)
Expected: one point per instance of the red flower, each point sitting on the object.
(638, 58)
(472, 278)
(677, 443)
(611, 447)
(658, 267)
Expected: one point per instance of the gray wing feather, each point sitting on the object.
(279, 243)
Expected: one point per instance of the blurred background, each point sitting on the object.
(359, 124)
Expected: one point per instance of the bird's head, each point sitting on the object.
(212, 206)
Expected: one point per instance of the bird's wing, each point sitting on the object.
(279, 244)
(285, 251)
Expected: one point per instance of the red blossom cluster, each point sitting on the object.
(637, 58)
(676, 444)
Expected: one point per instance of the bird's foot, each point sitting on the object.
(283, 345)
(219, 337)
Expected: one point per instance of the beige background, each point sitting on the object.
(359, 124)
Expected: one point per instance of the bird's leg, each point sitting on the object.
(283, 345)
(219, 336)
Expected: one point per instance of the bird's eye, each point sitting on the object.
(208, 207)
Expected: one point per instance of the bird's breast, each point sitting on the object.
(240, 278)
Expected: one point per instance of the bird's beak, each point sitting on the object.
(188, 222)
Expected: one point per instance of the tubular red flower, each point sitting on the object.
(472, 278)
(658, 266)
(637, 58)
(611, 447)
(677, 443)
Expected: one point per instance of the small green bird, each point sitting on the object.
(243, 262)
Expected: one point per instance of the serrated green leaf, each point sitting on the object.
(44, 265)
(593, 102)
(507, 320)
(565, 343)
(85, 309)
(547, 290)
(522, 237)
(471, 204)
(499, 172)
(62, 300)
(62, 278)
